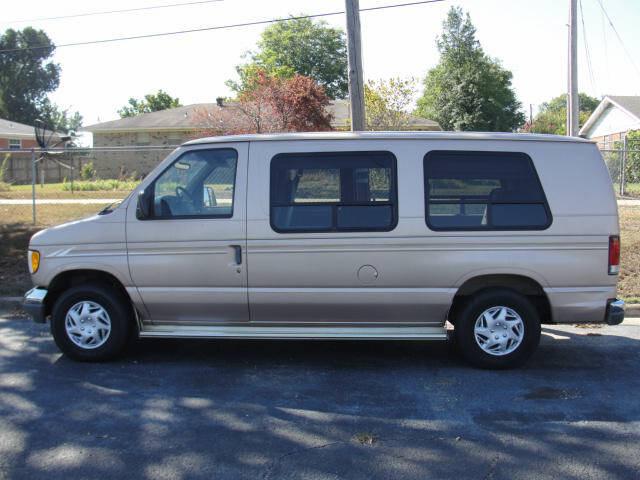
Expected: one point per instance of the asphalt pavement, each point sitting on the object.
(320, 410)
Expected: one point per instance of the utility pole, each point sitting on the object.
(573, 107)
(354, 49)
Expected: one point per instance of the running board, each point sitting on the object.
(308, 333)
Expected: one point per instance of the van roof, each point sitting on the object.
(528, 137)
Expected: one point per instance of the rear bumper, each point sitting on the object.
(33, 304)
(615, 312)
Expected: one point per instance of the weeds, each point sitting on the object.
(100, 185)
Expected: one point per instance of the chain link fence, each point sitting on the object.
(72, 164)
(623, 161)
(65, 174)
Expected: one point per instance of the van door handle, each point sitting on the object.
(238, 253)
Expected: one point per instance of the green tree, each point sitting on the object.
(387, 103)
(552, 116)
(152, 102)
(468, 90)
(298, 46)
(58, 119)
(26, 76)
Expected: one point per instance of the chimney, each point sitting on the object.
(220, 101)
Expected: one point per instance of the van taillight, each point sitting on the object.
(614, 255)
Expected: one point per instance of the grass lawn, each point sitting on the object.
(629, 280)
(97, 189)
(16, 229)
(632, 189)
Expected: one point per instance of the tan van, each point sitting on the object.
(342, 236)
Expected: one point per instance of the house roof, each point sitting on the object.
(190, 117)
(628, 104)
(15, 129)
(412, 135)
(179, 118)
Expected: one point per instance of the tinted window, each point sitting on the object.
(199, 184)
(336, 191)
(483, 191)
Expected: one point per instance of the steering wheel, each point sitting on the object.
(183, 194)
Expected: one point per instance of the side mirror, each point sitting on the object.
(143, 210)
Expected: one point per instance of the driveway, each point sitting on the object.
(320, 410)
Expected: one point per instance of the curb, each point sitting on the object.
(632, 310)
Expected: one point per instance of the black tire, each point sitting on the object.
(470, 312)
(116, 306)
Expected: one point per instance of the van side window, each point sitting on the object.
(483, 191)
(199, 184)
(333, 191)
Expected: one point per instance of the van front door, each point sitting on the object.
(186, 253)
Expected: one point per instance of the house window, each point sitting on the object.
(14, 144)
(333, 191)
(483, 191)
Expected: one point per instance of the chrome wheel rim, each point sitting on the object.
(88, 325)
(499, 331)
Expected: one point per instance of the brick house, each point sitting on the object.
(151, 136)
(612, 119)
(14, 135)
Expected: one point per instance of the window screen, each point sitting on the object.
(483, 191)
(334, 191)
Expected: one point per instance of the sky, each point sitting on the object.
(529, 37)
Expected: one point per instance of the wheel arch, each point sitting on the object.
(73, 277)
(522, 284)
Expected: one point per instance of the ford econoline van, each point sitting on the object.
(371, 236)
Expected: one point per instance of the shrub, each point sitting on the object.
(88, 172)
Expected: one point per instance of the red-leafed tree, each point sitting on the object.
(271, 104)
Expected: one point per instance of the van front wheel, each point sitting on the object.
(91, 322)
(497, 328)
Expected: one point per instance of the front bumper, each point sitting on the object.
(33, 304)
(615, 312)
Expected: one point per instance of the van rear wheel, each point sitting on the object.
(91, 323)
(497, 328)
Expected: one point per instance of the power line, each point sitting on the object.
(217, 27)
(109, 12)
(586, 48)
(624, 47)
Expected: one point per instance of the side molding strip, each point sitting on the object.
(308, 333)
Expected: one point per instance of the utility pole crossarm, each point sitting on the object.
(354, 49)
